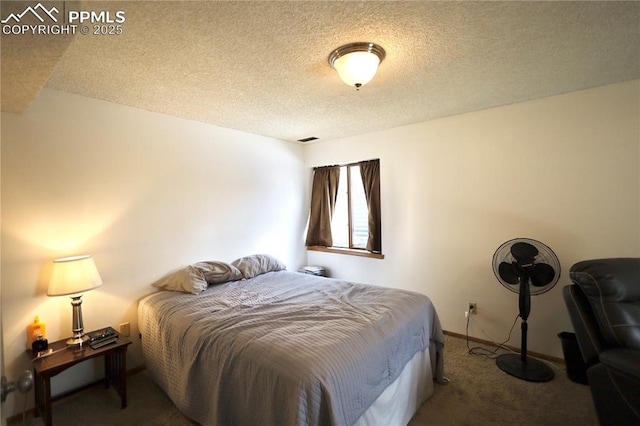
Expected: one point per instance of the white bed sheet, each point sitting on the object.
(402, 398)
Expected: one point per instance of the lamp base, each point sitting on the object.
(79, 337)
(76, 342)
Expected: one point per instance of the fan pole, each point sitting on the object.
(521, 367)
(523, 343)
(525, 309)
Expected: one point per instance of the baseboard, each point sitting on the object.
(16, 419)
(513, 348)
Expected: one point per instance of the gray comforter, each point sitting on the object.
(283, 348)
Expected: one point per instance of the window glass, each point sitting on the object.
(359, 210)
(340, 219)
(351, 190)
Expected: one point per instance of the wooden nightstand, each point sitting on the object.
(115, 370)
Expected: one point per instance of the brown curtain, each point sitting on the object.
(370, 172)
(324, 192)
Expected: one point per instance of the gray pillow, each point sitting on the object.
(251, 266)
(218, 272)
(196, 277)
(187, 280)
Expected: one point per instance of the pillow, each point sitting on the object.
(196, 277)
(215, 272)
(189, 279)
(251, 266)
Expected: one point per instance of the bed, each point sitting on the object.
(274, 347)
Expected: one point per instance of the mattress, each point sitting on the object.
(286, 348)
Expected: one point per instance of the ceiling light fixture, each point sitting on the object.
(357, 63)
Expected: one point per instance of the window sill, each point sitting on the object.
(350, 252)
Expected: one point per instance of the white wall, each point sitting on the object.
(143, 193)
(3, 417)
(563, 170)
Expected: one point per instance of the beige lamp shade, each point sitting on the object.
(73, 275)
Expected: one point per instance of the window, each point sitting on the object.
(345, 209)
(350, 220)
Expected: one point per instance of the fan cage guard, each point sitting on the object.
(545, 255)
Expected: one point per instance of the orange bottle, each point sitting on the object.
(35, 329)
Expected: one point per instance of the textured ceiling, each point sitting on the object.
(261, 67)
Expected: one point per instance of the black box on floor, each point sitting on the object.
(576, 368)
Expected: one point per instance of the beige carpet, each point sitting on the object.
(478, 394)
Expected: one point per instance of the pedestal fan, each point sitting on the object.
(527, 267)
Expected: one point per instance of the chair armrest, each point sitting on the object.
(623, 360)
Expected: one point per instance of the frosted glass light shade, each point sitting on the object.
(357, 68)
(357, 63)
(73, 275)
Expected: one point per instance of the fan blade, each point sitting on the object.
(542, 274)
(522, 251)
(507, 273)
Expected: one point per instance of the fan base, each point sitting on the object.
(531, 371)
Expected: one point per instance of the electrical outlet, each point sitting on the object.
(125, 329)
(472, 308)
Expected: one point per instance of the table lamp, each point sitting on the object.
(72, 276)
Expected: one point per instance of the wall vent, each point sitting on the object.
(309, 139)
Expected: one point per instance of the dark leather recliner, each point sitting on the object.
(604, 306)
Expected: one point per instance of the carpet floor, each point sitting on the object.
(478, 394)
